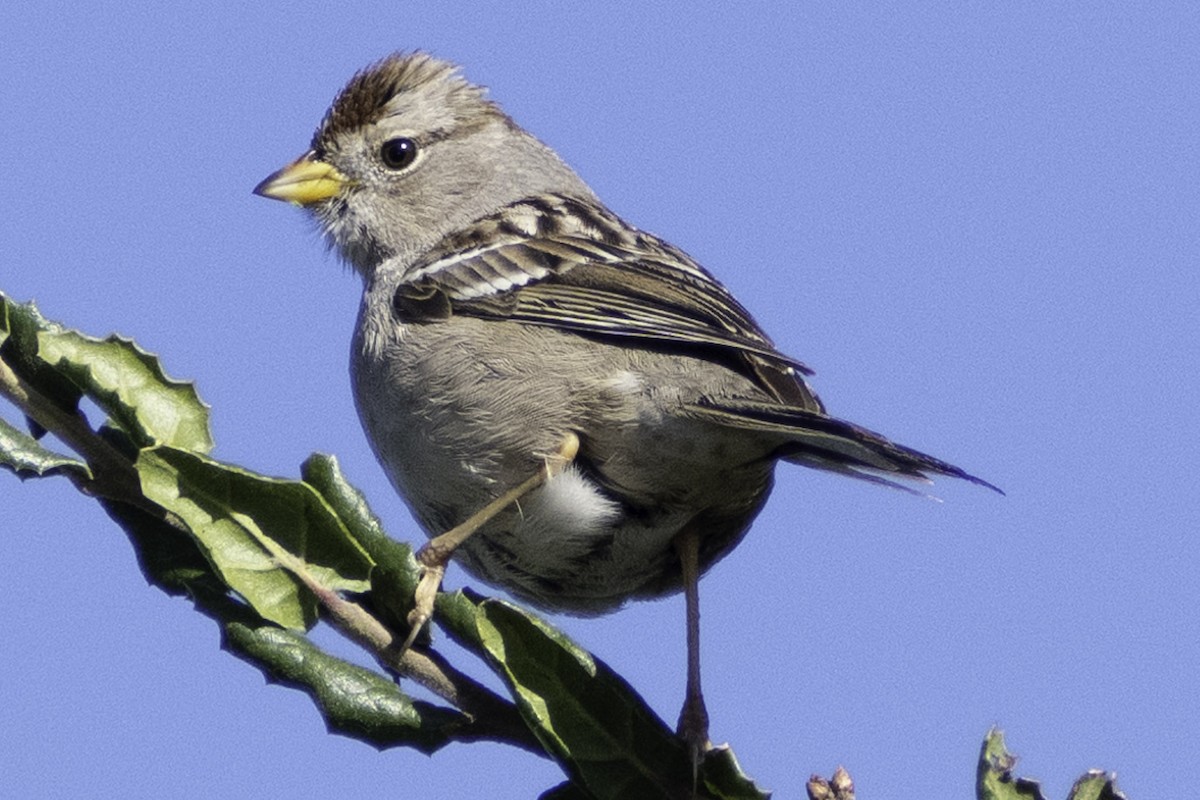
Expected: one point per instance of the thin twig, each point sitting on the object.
(493, 716)
(113, 476)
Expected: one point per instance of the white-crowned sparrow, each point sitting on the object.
(606, 410)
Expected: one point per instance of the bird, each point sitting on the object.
(573, 408)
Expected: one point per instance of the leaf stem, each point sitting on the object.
(493, 716)
(113, 475)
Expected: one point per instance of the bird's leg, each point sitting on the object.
(436, 554)
(693, 718)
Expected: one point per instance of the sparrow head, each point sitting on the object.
(409, 152)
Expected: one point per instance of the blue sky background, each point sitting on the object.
(979, 225)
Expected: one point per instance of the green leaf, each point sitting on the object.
(22, 454)
(587, 717)
(247, 523)
(4, 323)
(322, 472)
(168, 555)
(564, 791)
(354, 701)
(394, 578)
(722, 776)
(130, 385)
(994, 777)
(1096, 785)
(19, 350)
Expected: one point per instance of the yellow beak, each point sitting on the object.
(303, 182)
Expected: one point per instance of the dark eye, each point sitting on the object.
(398, 153)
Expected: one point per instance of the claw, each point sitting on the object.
(432, 573)
(436, 553)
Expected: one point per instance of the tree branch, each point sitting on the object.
(493, 716)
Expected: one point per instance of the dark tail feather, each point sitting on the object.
(822, 442)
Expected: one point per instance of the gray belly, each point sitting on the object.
(459, 412)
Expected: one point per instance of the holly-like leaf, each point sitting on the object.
(587, 717)
(4, 323)
(168, 555)
(354, 701)
(395, 575)
(22, 325)
(1096, 785)
(322, 472)
(994, 776)
(23, 455)
(995, 779)
(246, 524)
(129, 384)
(564, 791)
(722, 776)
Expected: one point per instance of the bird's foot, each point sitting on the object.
(433, 569)
(693, 729)
(437, 552)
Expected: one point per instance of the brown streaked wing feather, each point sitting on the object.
(580, 268)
